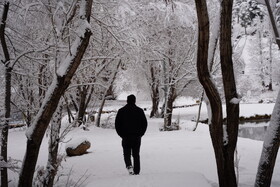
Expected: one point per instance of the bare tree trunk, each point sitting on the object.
(7, 107)
(272, 137)
(262, 69)
(82, 105)
(169, 107)
(154, 92)
(232, 108)
(98, 118)
(165, 88)
(5, 129)
(155, 103)
(270, 87)
(270, 148)
(53, 162)
(215, 117)
(37, 130)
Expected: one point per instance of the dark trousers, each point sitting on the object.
(131, 145)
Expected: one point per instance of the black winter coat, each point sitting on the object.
(130, 121)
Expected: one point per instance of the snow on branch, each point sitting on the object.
(28, 52)
(66, 69)
(83, 28)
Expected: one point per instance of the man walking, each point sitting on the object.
(131, 125)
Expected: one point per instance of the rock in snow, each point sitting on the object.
(77, 147)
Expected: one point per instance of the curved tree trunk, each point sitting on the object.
(215, 117)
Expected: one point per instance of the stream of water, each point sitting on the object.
(255, 131)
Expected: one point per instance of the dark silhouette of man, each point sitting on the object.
(131, 125)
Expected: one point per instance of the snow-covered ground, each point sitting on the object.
(177, 158)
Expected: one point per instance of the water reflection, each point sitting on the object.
(255, 131)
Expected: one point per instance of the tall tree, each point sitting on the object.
(7, 105)
(61, 81)
(216, 118)
(231, 96)
(272, 137)
(224, 143)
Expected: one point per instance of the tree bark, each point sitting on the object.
(154, 92)
(60, 83)
(272, 137)
(7, 104)
(82, 105)
(270, 87)
(169, 108)
(215, 117)
(232, 109)
(270, 148)
(53, 162)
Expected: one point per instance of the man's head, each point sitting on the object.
(131, 99)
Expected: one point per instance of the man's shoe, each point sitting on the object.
(130, 170)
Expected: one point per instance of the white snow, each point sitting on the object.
(74, 143)
(176, 158)
(235, 100)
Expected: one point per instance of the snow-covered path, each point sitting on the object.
(165, 157)
(177, 158)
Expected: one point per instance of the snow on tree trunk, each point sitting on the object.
(270, 148)
(59, 84)
(7, 106)
(272, 137)
(169, 108)
(53, 160)
(154, 87)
